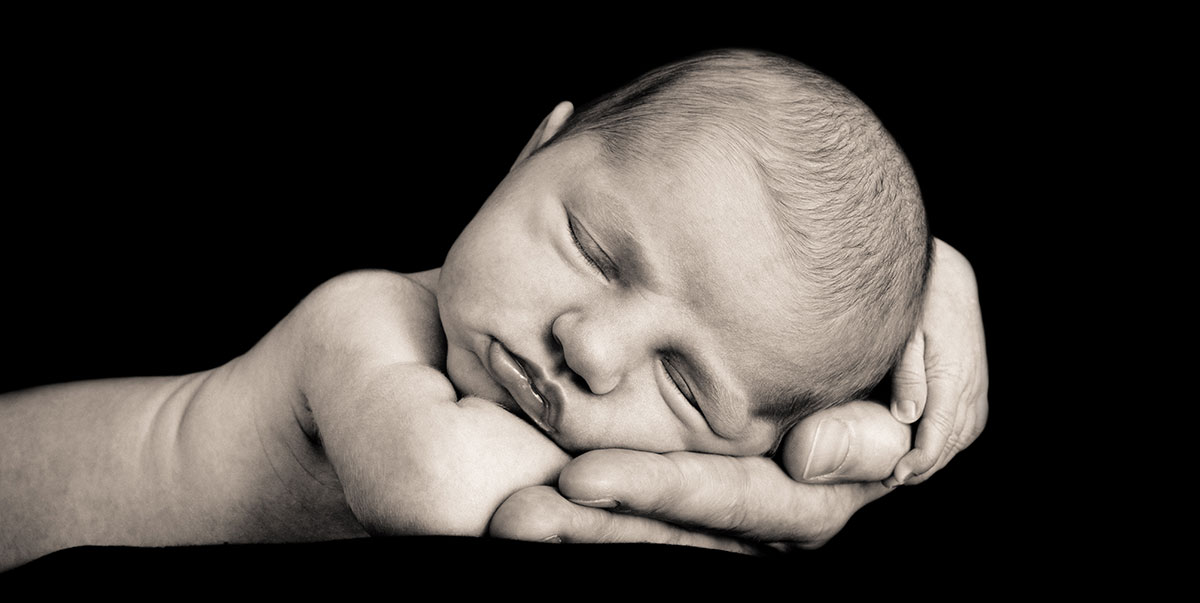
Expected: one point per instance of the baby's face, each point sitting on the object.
(620, 309)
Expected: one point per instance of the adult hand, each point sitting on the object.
(716, 501)
(942, 377)
(835, 458)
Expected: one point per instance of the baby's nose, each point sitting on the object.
(589, 353)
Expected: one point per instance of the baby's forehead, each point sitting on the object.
(712, 233)
(696, 237)
(706, 219)
(720, 181)
(699, 156)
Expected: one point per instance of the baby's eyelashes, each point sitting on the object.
(594, 252)
(679, 382)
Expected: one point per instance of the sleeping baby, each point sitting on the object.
(694, 262)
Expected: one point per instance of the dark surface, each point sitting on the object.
(464, 565)
(177, 190)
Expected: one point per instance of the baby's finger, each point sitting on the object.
(541, 514)
(908, 381)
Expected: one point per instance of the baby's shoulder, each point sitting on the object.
(375, 311)
(361, 289)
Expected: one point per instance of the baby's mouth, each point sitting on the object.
(512, 373)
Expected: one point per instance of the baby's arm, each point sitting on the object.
(77, 462)
(411, 457)
(242, 453)
(161, 461)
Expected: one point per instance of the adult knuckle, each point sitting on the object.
(728, 514)
(688, 486)
(689, 468)
(905, 375)
(684, 467)
(954, 444)
(923, 461)
(942, 369)
(941, 420)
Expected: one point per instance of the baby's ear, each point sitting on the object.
(548, 128)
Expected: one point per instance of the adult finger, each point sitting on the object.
(856, 442)
(967, 429)
(908, 381)
(751, 497)
(540, 513)
(937, 430)
(955, 361)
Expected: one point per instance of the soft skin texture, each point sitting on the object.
(683, 498)
(831, 462)
(943, 372)
(673, 281)
(341, 422)
(338, 423)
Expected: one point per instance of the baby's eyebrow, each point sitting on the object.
(614, 221)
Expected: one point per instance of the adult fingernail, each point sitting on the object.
(553, 539)
(599, 503)
(901, 475)
(830, 447)
(905, 410)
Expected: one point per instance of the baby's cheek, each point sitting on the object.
(605, 425)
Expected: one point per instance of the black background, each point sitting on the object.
(174, 190)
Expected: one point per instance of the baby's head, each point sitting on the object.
(693, 262)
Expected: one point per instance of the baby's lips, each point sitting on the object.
(511, 374)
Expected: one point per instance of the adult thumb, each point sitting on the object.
(856, 442)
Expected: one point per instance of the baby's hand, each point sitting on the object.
(410, 456)
(942, 377)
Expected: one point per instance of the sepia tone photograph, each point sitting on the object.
(737, 305)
